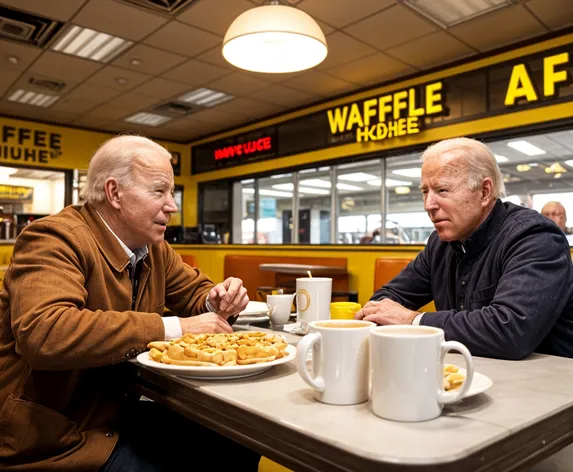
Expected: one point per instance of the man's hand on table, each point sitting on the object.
(205, 323)
(386, 312)
(229, 297)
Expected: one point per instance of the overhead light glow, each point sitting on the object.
(357, 177)
(411, 172)
(274, 39)
(7, 170)
(90, 44)
(501, 159)
(148, 119)
(526, 148)
(32, 98)
(402, 190)
(205, 97)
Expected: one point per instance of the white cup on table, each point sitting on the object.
(312, 297)
(339, 360)
(279, 308)
(407, 372)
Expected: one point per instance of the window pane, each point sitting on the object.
(314, 206)
(243, 211)
(358, 187)
(275, 209)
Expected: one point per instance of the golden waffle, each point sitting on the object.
(453, 379)
(221, 349)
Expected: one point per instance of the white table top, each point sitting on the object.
(524, 393)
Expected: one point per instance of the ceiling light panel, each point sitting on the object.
(205, 97)
(357, 177)
(448, 13)
(32, 98)
(411, 172)
(526, 147)
(90, 44)
(148, 119)
(500, 158)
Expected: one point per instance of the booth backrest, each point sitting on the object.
(189, 259)
(385, 269)
(247, 269)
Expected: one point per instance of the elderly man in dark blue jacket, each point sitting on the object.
(500, 275)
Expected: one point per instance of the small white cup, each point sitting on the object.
(279, 308)
(313, 296)
(339, 360)
(407, 372)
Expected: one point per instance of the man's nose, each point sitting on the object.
(430, 202)
(170, 205)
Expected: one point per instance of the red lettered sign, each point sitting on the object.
(244, 149)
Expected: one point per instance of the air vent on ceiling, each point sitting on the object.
(161, 6)
(26, 28)
(47, 84)
(177, 109)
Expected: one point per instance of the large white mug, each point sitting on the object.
(312, 297)
(407, 372)
(339, 360)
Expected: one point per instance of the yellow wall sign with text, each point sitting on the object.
(16, 192)
(388, 116)
(521, 84)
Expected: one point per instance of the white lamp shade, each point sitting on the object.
(274, 39)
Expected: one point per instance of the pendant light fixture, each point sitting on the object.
(274, 38)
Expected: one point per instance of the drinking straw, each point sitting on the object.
(309, 274)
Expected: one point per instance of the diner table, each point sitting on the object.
(524, 417)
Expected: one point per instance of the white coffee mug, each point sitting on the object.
(279, 308)
(339, 360)
(312, 297)
(407, 372)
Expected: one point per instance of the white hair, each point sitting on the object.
(116, 158)
(478, 158)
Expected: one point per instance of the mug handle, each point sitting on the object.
(271, 308)
(452, 397)
(302, 349)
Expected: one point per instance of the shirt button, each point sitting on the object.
(461, 306)
(127, 355)
(109, 434)
(463, 283)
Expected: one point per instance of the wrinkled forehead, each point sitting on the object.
(151, 160)
(444, 166)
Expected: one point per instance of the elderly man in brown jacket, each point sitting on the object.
(86, 291)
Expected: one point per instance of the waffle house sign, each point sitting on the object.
(389, 116)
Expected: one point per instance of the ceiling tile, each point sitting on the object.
(89, 121)
(319, 84)
(431, 50)
(373, 69)
(170, 37)
(108, 77)
(337, 12)
(114, 17)
(272, 78)
(504, 26)
(248, 107)
(152, 61)
(284, 96)
(238, 83)
(212, 115)
(110, 112)
(555, 14)
(162, 88)
(7, 78)
(57, 9)
(215, 56)
(64, 67)
(25, 55)
(74, 105)
(134, 101)
(92, 93)
(391, 27)
(343, 48)
(195, 72)
(201, 14)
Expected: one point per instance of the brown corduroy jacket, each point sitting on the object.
(67, 328)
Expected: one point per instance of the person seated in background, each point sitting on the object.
(555, 211)
(500, 275)
(86, 291)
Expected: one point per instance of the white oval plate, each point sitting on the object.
(480, 383)
(215, 373)
(255, 308)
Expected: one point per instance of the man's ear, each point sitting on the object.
(113, 193)
(486, 191)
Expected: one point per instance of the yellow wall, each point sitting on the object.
(469, 128)
(77, 146)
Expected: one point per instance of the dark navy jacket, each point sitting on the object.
(506, 292)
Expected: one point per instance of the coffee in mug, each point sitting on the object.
(339, 360)
(406, 364)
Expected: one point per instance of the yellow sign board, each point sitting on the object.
(388, 116)
(16, 192)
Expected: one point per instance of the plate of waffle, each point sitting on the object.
(454, 377)
(218, 356)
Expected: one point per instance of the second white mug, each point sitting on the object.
(312, 297)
